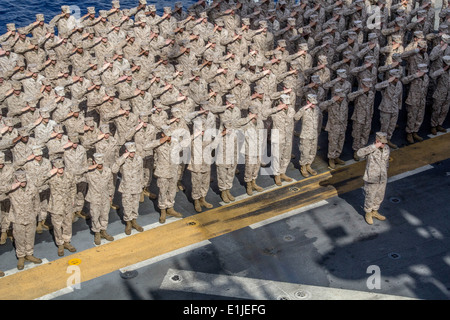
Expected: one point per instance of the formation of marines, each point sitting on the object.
(101, 100)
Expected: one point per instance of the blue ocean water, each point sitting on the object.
(22, 12)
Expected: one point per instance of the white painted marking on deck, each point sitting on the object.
(165, 256)
(288, 214)
(409, 173)
(259, 289)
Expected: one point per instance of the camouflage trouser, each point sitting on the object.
(281, 157)
(5, 206)
(148, 170)
(225, 177)
(252, 166)
(439, 112)
(360, 134)
(415, 116)
(308, 150)
(62, 226)
(388, 122)
(79, 199)
(336, 139)
(99, 215)
(167, 192)
(374, 195)
(130, 203)
(200, 184)
(181, 168)
(24, 239)
(44, 197)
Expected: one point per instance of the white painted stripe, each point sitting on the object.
(56, 294)
(165, 256)
(259, 289)
(438, 134)
(133, 231)
(28, 265)
(270, 188)
(288, 214)
(409, 173)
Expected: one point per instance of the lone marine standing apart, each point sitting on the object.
(375, 176)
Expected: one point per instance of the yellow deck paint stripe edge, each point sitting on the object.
(101, 260)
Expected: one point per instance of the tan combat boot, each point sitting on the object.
(149, 194)
(2, 274)
(40, 227)
(304, 172)
(173, 213)
(205, 204)
(278, 180)
(378, 216)
(230, 196)
(106, 236)
(81, 214)
(60, 250)
(417, 137)
(311, 170)
(441, 129)
(136, 226)
(409, 138)
(224, 196)
(433, 131)
(114, 206)
(368, 217)
(21, 263)
(392, 145)
(162, 217)
(33, 259)
(197, 206)
(256, 187)
(3, 238)
(69, 246)
(339, 161)
(97, 238)
(180, 186)
(128, 227)
(249, 189)
(142, 197)
(355, 156)
(285, 177)
(331, 164)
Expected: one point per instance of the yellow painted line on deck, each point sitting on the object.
(98, 261)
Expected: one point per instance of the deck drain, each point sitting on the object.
(282, 298)
(288, 238)
(394, 200)
(294, 189)
(191, 223)
(302, 294)
(129, 274)
(176, 278)
(394, 255)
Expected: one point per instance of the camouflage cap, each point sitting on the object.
(130, 146)
(74, 138)
(58, 163)
(382, 137)
(37, 151)
(99, 158)
(312, 98)
(20, 176)
(104, 128)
